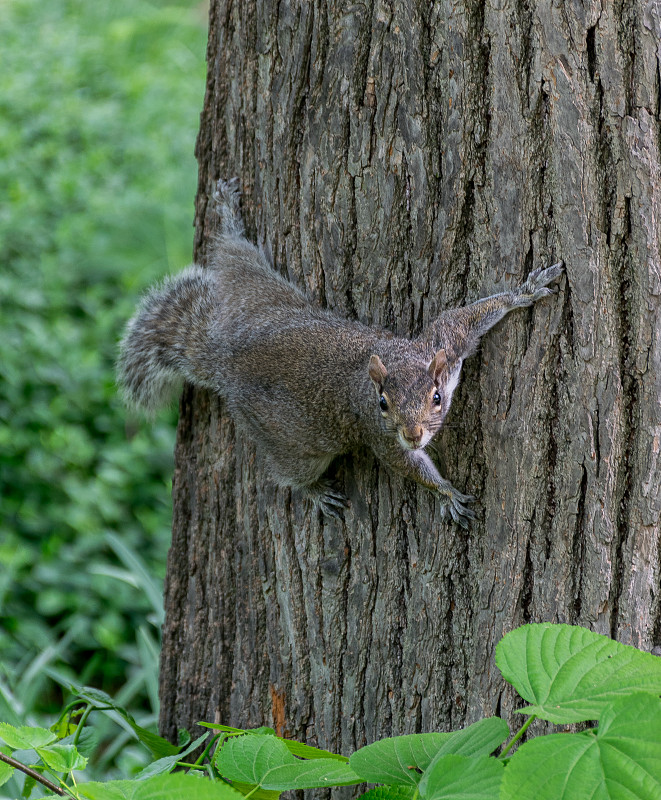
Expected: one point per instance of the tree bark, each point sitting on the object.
(396, 159)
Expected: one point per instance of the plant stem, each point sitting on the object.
(34, 774)
(89, 708)
(206, 750)
(517, 736)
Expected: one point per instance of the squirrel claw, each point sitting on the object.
(225, 190)
(453, 504)
(460, 514)
(331, 511)
(535, 286)
(328, 499)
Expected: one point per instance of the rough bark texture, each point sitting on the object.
(399, 158)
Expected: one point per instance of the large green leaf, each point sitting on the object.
(255, 792)
(569, 674)
(25, 737)
(479, 739)
(162, 787)
(112, 790)
(455, 777)
(265, 761)
(389, 793)
(398, 760)
(401, 759)
(622, 761)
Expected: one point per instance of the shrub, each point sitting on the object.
(99, 107)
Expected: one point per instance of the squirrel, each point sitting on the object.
(305, 384)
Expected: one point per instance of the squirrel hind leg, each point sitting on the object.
(326, 496)
(226, 201)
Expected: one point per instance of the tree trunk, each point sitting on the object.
(396, 159)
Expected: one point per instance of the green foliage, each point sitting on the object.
(99, 106)
(99, 700)
(163, 787)
(265, 761)
(400, 760)
(621, 759)
(571, 674)
(617, 760)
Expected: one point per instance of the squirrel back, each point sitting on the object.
(235, 327)
(305, 384)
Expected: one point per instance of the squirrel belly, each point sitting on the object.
(305, 384)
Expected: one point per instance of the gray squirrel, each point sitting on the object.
(305, 384)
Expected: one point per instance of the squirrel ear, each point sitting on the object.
(438, 363)
(378, 373)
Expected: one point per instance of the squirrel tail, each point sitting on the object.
(168, 339)
(170, 326)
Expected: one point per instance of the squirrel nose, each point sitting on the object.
(413, 434)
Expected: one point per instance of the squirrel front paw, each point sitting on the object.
(535, 286)
(453, 504)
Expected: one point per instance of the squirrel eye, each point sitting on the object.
(437, 399)
(383, 403)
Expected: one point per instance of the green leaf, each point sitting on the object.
(621, 762)
(254, 791)
(389, 793)
(401, 759)
(158, 746)
(307, 751)
(5, 772)
(454, 777)
(297, 748)
(224, 728)
(311, 773)
(26, 738)
(265, 761)
(87, 743)
(167, 764)
(479, 739)
(569, 674)
(161, 787)
(112, 790)
(398, 760)
(62, 757)
(228, 729)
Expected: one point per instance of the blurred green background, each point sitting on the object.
(99, 109)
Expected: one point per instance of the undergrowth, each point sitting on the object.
(565, 674)
(99, 108)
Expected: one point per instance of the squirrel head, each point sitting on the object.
(414, 398)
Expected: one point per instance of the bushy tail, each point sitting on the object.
(166, 340)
